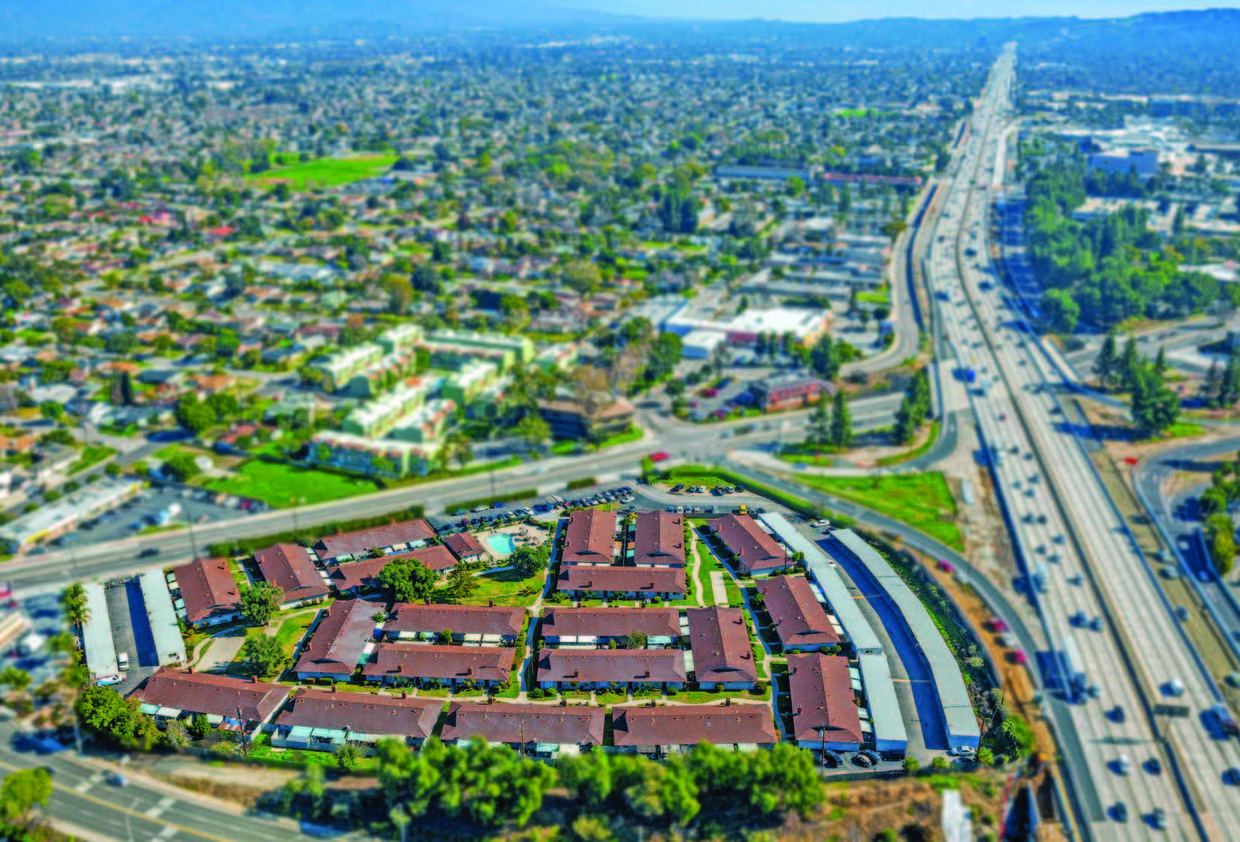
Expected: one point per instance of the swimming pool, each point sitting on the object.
(501, 543)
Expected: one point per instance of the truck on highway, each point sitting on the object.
(1072, 676)
(1040, 579)
(968, 375)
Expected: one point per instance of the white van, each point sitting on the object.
(122, 661)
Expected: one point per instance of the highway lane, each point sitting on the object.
(1133, 602)
(1037, 523)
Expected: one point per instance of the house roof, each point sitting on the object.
(822, 697)
(364, 540)
(363, 573)
(362, 713)
(464, 544)
(196, 692)
(513, 723)
(623, 579)
(438, 558)
(289, 568)
(589, 537)
(461, 619)
(753, 549)
(798, 617)
(641, 665)
(406, 660)
(610, 622)
(338, 643)
(659, 538)
(721, 648)
(687, 725)
(208, 588)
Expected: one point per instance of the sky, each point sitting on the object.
(843, 10)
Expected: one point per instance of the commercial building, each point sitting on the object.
(605, 668)
(660, 731)
(97, 643)
(593, 628)
(589, 538)
(234, 704)
(723, 657)
(472, 625)
(341, 642)
(788, 391)
(746, 545)
(658, 540)
(289, 568)
(66, 514)
(824, 707)
(206, 592)
(534, 730)
(623, 582)
(797, 616)
(1125, 161)
(568, 420)
(317, 720)
(161, 619)
(452, 666)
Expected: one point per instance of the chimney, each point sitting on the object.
(491, 603)
(404, 694)
(253, 679)
(335, 689)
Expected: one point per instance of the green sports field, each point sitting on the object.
(327, 172)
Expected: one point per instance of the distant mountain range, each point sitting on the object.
(370, 18)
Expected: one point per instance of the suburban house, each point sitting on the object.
(659, 540)
(321, 720)
(341, 642)
(603, 668)
(466, 547)
(289, 568)
(723, 656)
(208, 593)
(589, 538)
(798, 617)
(472, 625)
(534, 730)
(747, 545)
(824, 707)
(660, 731)
(234, 704)
(453, 666)
(436, 557)
(355, 577)
(409, 535)
(592, 628)
(623, 582)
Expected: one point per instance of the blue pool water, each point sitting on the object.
(501, 544)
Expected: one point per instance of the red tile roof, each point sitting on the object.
(219, 695)
(822, 698)
(721, 647)
(339, 640)
(752, 548)
(688, 725)
(464, 545)
(363, 713)
(513, 723)
(364, 540)
(363, 574)
(610, 622)
(651, 580)
(289, 568)
(612, 665)
(589, 537)
(208, 588)
(438, 558)
(659, 539)
(799, 619)
(462, 663)
(461, 619)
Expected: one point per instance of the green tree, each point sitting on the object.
(634, 640)
(73, 604)
(841, 433)
(1061, 310)
(1107, 362)
(582, 277)
(1130, 365)
(263, 655)
(530, 560)
(462, 584)
(52, 411)
(820, 422)
(21, 791)
(533, 429)
(14, 678)
(194, 415)
(260, 602)
(913, 408)
(182, 466)
(407, 580)
(1155, 407)
(1221, 542)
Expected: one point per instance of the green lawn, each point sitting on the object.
(283, 486)
(923, 501)
(91, 455)
(690, 479)
(882, 297)
(506, 587)
(632, 434)
(917, 452)
(327, 172)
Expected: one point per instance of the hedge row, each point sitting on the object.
(463, 506)
(584, 482)
(308, 535)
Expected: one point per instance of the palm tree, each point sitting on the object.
(73, 603)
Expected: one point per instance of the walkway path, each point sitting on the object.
(718, 588)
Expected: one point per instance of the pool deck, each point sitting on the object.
(520, 534)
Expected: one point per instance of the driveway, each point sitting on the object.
(222, 651)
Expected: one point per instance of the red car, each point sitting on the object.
(998, 625)
(946, 566)
(659, 456)
(1018, 656)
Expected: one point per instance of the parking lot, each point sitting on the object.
(196, 506)
(131, 632)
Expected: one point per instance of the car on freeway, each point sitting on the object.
(1174, 687)
(1159, 818)
(117, 779)
(1231, 776)
(1019, 656)
(1117, 714)
(149, 552)
(1154, 766)
(1120, 811)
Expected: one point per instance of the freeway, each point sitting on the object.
(144, 809)
(682, 441)
(1099, 589)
